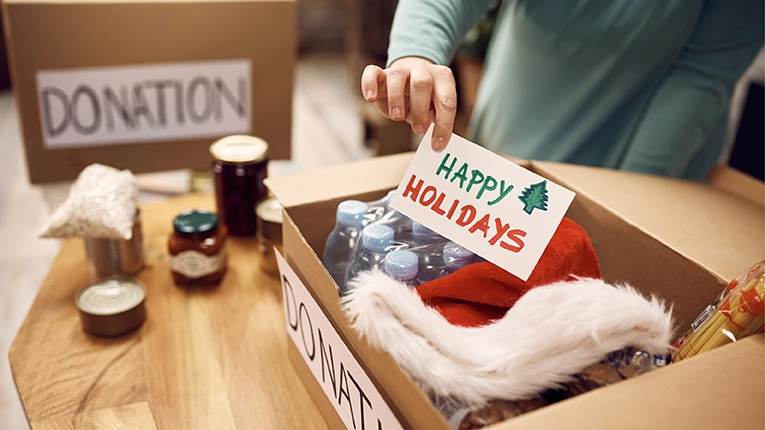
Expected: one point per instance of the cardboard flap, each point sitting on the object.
(342, 180)
(670, 397)
(684, 215)
(738, 183)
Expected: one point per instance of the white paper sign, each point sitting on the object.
(346, 385)
(132, 104)
(489, 205)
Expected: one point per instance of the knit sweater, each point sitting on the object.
(635, 85)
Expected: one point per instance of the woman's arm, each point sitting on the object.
(417, 86)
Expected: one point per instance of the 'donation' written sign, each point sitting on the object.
(346, 385)
(488, 204)
(144, 103)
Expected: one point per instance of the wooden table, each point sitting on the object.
(204, 358)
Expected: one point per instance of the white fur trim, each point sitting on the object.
(551, 333)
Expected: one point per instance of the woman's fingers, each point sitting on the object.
(445, 104)
(397, 80)
(371, 79)
(417, 90)
(420, 93)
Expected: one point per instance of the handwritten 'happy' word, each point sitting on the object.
(486, 182)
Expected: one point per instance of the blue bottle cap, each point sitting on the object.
(389, 196)
(401, 264)
(456, 257)
(351, 213)
(376, 237)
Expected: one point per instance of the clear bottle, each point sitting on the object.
(428, 245)
(402, 265)
(377, 208)
(350, 219)
(400, 223)
(424, 236)
(455, 257)
(376, 240)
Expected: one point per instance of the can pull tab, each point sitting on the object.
(111, 289)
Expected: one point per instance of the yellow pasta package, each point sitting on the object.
(739, 312)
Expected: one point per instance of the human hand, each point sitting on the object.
(416, 90)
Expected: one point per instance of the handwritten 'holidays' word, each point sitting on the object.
(486, 182)
(464, 215)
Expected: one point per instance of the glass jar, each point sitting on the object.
(239, 169)
(269, 215)
(197, 248)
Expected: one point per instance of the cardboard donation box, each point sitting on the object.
(682, 241)
(147, 85)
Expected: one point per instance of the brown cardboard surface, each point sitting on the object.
(739, 183)
(707, 225)
(627, 255)
(44, 35)
(342, 180)
(719, 389)
(417, 411)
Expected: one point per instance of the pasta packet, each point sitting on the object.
(738, 313)
(102, 204)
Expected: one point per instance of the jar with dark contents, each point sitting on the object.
(239, 168)
(197, 248)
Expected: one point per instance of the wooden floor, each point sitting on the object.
(327, 129)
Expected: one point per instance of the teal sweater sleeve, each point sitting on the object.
(433, 29)
(681, 130)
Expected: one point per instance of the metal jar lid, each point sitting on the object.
(239, 148)
(269, 219)
(111, 306)
(195, 221)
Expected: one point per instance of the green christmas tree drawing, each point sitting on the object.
(534, 197)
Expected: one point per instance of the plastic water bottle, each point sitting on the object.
(400, 223)
(455, 257)
(376, 240)
(428, 245)
(343, 238)
(402, 265)
(383, 202)
(423, 235)
(378, 208)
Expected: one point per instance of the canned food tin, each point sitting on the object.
(269, 219)
(109, 257)
(111, 306)
(239, 169)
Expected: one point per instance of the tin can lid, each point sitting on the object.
(110, 296)
(239, 148)
(195, 221)
(269, 219)
(111, 306)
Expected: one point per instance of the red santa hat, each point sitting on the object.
(481, 333)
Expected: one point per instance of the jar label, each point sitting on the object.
(193, 264)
